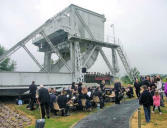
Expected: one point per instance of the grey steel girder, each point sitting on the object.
(86, 27)
(124, 62)
(94, 42)
(84, 24)
(90, 54)
(91, 35)
(22, 42)
(72, 58)
(33, 58)
(107, 61)
(55, 50)
(114, 61)
(47, 61)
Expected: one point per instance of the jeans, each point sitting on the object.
(161, 100)
(147, 113)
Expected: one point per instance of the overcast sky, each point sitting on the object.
(141, 26)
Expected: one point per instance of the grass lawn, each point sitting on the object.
(56, 121)
(157, 120)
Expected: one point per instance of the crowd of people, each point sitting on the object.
(75, 97)
(153, 94)
(81, 97)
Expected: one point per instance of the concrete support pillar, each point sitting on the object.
(114, 61)
(47, 61)
(72, 58)
(76, 62)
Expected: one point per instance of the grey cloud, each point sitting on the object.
(141, 26)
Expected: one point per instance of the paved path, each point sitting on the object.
(116, 116)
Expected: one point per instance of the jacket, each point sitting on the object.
(156, 100)
(83, 96)
(44, 96)
(62, 101)
(165, 88)
(117, 86)
(52, 99)
(33, 89)
(146, 99)
(146, 82)
(137, 85)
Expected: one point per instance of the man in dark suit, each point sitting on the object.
(79, 87)
(102, 85)
(32, 89)
(62, 102)
(52, 100)
(44, 100)
(117, 89)
(137, 85)
(99, 93)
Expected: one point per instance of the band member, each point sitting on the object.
(117, 89)
(32, 89)
(44, 101)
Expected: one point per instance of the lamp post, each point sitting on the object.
(112, 26)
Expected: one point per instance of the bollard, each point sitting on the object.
(40, 123)
(98, 106)
(139, 117)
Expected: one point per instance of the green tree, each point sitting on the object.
(7, 64)
(134, 73)
(125, 79)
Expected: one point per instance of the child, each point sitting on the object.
(156, 102)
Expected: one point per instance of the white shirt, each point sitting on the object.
(159, 85)
(89, 94)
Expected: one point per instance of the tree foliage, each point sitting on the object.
(7, 64)
(125, 79)
(135, 74)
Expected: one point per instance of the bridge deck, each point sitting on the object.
(16, 83)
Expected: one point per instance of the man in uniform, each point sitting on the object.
(62, 101)
(32, 89)
(102, 85)
(117, 89)
(44, 100)
(137, 87)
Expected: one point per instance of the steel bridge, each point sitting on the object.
(76, 36)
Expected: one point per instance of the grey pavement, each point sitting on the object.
(116, 116)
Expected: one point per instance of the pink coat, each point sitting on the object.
(156, 100)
